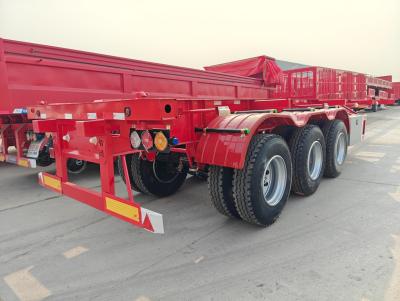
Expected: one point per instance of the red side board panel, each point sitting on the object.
(31, 74)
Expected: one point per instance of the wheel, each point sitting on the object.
(128, 159)
(374, 108)
(336, 140)
(76, 166)
(44, 159)
(262, 187)
(220, 188)
(162, 177)
(307, 146)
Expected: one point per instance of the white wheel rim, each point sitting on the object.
(340, 148)
(274, 180)
(314, 160)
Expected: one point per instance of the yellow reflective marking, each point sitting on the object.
(51, 182)
(2, 158)
(122, 209)
(23, 163)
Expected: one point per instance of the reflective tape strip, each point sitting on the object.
(68, 116)
(32, 163)
(236, 102)
(2, 158)
(43, 115)
(156, 220)
(217, 102)
(52, 182)
(23, 162)
(27, 162)
(11, 159)
(122, 209)
(20, 111)
(91, 116)
(119, 116)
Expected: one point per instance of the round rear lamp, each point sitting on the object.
(160, 141)
(135, 139)
(147, 140)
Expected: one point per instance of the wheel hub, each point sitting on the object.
(314, 160)
(340, 149)
(274, 180)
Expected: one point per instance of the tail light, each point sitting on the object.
(160, 141)
(147, 140)
(135, 139)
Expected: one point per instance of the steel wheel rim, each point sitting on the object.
(340, 148)
(274, 180)
(314, 160)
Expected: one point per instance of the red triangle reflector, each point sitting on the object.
(147, 224)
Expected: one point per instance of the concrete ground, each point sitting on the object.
(342, 243)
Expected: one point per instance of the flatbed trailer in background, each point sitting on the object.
(314, 86)
(254, 149)
(396, 92)
(380, 89)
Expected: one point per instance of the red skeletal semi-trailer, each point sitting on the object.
(32, 74)
(251, 146)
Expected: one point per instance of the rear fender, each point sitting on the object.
(230, 149)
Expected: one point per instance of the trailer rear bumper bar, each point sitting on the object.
(128, 211)
(21, 161)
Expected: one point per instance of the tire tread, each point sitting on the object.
(242, 179)
(222, 203)
(330, 170)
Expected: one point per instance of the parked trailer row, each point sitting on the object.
(314, 86)
(257, 132)
(31, 74)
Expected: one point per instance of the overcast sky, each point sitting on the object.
(358, 35)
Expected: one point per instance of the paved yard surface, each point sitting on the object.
(342, 243)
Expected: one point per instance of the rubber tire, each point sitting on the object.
(331, 131)
(44, 159)
(247, 189)
(374, 108)
(121, 171)
(146, 181)
(220, 189)
(300, 143)
(84, 165)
